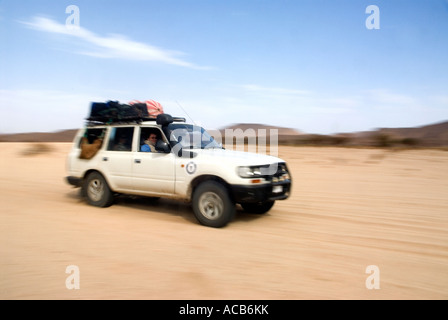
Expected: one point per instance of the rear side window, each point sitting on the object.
(120, 139)
(92, 135)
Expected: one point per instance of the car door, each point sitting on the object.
(116, 160)
(153, 172)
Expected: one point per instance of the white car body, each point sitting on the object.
(175, 174)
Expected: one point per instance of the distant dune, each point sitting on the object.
(428, 135)
(433, 135)
(58, 136)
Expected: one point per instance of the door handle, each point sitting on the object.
(138, 161)
(105, 159)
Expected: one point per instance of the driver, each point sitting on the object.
(149, 144)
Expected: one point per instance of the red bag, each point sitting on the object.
(154, 107)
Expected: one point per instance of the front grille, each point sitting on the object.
(281, 173)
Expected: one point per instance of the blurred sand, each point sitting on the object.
(350, 208)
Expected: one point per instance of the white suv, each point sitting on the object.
(188, 164)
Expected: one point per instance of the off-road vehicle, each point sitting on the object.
(187, 164)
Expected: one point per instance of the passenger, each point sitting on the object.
(150, 144)
(122, 144)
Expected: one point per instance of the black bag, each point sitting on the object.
(141, 109)
(113, 111)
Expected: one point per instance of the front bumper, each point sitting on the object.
(261, 193)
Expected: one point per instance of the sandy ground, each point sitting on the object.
(350, 209)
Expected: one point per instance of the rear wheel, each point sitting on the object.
(97, 191)
(258, 208)
(212, 205)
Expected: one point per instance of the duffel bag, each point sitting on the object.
(154, 108)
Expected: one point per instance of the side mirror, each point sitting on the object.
(162, 146)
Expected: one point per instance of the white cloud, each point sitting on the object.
(384, 96)
(112, 46)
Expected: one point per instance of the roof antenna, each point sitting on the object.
(186, 113)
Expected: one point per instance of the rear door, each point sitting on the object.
(116, 159)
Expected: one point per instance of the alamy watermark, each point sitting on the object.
(73, 280)
(186, 138)
(373, 280)
(73, 20)
(373, 20)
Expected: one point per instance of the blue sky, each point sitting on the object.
(312, 65)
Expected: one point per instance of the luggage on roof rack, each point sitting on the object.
(113, 111)
(154, 108)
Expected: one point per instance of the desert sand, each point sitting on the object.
(349, 209)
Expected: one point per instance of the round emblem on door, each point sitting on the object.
(191, 167)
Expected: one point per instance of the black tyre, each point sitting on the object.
(212, 205)
(258, 208)
(97, 191)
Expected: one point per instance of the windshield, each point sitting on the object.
(191, 137)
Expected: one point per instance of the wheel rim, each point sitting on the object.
(211, 205)
(95, 190)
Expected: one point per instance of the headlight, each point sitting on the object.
(249, 172)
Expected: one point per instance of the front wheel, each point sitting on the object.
(97, 191)
(212, 205)
(258, 208)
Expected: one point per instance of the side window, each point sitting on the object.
(92, 135)
(120, 139)
(148, 139)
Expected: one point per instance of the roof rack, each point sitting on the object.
(179, 119)
(101, 122)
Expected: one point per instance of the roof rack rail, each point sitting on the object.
(175, 119)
